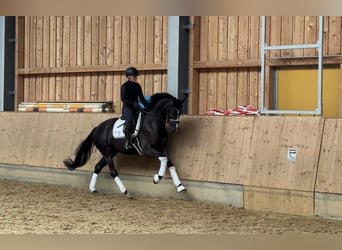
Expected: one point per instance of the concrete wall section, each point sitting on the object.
(279, 200)
(137, 185)
(328, 205)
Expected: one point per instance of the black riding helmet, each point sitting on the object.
(131, 71)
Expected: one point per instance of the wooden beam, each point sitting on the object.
(226, 64)
(90, 69)
(194, 74)
(304, 61)
(20, 53)
(254, 63)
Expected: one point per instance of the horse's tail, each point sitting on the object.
(82, 153)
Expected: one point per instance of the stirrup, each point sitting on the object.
(128, 145)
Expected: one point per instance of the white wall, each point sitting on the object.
(173, 57)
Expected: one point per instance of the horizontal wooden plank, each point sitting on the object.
(304, 61)
(254, 63)
(226, 64)
(90, 69)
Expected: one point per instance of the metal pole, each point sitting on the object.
(262, 55)
(320, 67)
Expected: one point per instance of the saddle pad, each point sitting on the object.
(118, 129)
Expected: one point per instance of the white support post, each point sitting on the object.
(173, 56)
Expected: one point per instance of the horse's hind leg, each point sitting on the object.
(114, 174)
(98, 167)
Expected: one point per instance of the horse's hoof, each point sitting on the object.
(95, 191)
(181, 189)
(128, 195)
(156, 179)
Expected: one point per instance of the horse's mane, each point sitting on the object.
(159, 96)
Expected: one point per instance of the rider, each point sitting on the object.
(131, 94)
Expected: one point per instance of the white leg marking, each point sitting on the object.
(163, 163)
(92, 185)
(120, 184)
(162, 169)
(174, 176)
(156, 179)
(175, 179)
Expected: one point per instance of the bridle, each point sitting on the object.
(171, 115)
(173, 118)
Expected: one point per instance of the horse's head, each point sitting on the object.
(173, 113)
(172, 109)
(172, 116)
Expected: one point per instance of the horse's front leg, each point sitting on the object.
(164, 162)
(175, 178)
(162, 170)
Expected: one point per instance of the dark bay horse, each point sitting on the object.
(163, 112)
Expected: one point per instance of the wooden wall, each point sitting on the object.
(225, 70)
(273, 182)
(246, 151)
(82, 58)
(226, 45)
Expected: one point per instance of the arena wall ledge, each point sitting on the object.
(280, 164)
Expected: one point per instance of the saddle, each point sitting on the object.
(119, 131)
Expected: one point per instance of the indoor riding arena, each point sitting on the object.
(258, 145)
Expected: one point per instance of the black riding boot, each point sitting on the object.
(128, 144)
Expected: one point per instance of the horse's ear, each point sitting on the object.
(186, 93)
(186, 96)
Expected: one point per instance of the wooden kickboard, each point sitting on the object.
(45, 139)
(212, 148)
(268, 164)
(330, 164)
